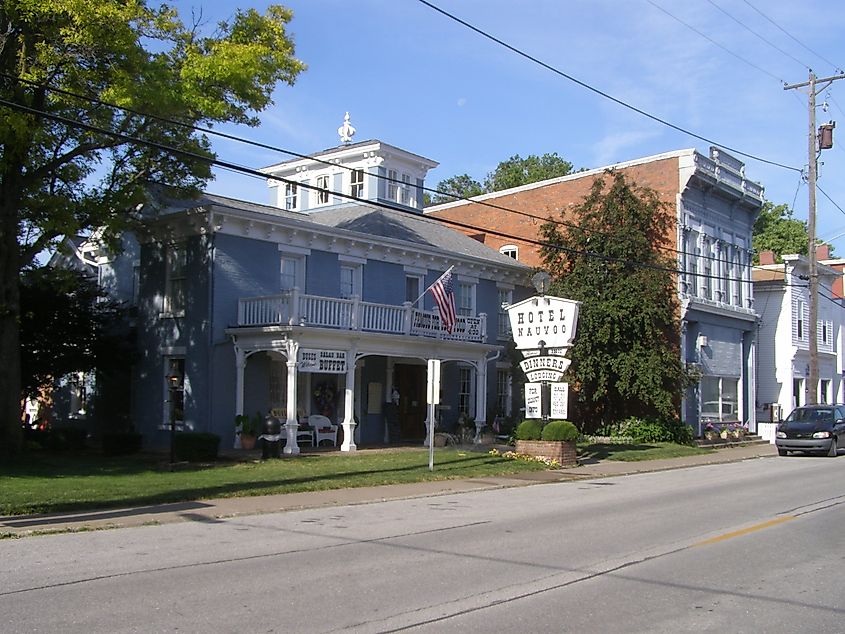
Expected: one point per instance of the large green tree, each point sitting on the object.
(67, 325)
(513, 172)
(518, 171)
(59, 178)
(609, 256)
(776, 230)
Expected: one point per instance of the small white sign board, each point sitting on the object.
(560, 401)
(533, 400)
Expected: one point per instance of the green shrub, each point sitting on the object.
(121, 443)
(196, 447)
(560, 430)
(646, 430)
(656, 430)
(681, 433)
(530, 429)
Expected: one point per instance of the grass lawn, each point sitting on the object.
(43, 482)
(635, 453)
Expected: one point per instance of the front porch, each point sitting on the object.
(363, 351)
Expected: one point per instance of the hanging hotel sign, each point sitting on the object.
(543, 318)
(327, 361)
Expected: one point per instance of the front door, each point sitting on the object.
(411, 382)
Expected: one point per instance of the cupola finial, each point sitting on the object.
(346, 131)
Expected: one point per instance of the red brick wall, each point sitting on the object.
(563, 452)
(549, 201)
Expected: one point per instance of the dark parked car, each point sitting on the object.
(815, 428)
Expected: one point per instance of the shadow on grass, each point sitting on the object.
(55, 465)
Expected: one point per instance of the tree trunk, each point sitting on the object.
(11, 433)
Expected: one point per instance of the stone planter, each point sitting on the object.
(560, 450)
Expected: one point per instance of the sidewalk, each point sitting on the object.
(212, 510)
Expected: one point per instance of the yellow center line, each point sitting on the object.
(745, 531)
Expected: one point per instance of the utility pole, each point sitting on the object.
(812, 387)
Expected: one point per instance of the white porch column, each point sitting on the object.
(480, 398)
(348, 443)
(240, 365)
(292, 423)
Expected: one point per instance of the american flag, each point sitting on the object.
(444, 296)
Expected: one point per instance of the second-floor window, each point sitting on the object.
(405, 190)
(289, 276)
(356, 183)
(466, 299)
(290, 196)
(322, 193)
(505, 296)
(799, 325)
(392, 185)
(175, 284)
(413, 287)
(350, 280)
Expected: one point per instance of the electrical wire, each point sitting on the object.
(832, 202)
(712, 41)
(757, 35)
(836, 67)
(600, 92)
(231, 137)
(126, 138)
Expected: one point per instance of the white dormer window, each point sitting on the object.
(290, 196)
(405, 190)
(322, 193)
(356, 183)
(510, 250)
(392, 185)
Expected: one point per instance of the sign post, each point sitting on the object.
(433, 399)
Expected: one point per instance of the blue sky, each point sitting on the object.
(413, 78)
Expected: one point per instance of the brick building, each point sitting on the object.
(715, 208)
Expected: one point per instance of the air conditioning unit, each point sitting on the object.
(775, 413)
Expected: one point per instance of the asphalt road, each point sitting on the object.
(742, 547)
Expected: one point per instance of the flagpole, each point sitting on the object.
(432, 284)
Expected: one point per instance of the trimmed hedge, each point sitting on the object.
(530, 429)
(196, 447)
(560, 430)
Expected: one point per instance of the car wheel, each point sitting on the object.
(782, 452)
(832, 451)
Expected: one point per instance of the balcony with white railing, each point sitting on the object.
(293, 308)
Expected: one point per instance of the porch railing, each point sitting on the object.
(296, 308)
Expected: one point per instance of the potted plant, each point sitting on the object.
(248, 427)
(710, 432)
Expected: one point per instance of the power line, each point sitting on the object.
(712, 41)
(832, 202)
(126, 138)
(599, 92)
(799, 42)
(753, 32)
(264, 176)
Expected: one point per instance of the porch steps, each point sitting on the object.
(748, 439)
